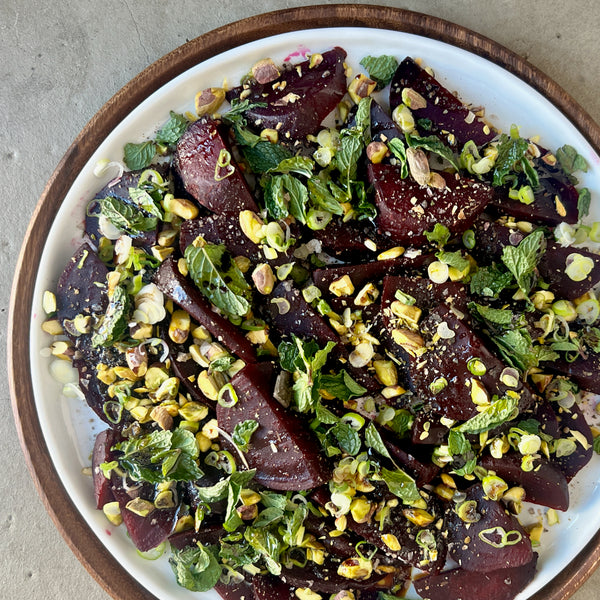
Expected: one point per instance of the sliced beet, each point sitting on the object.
(183, 292)
(304, 97)
(444, 110)
(220, 189)
(448, 358)
(545, 484)
(102, 453)
(552, 268)
(459, 584)
(585, 372)
(421, 469)
(207, 535)
(238, 591)
(145, 532)
(574, 420)
(268, 587)
(427, 429)
(406, 210)
(369, 272)
(467, 541)
(81, 287)
(282, 449)
(383, 127)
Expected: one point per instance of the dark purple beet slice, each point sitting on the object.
(545, 485)
(544, 413)
(427, 429)
(268, 587)
(370, 272)
(220, 189)
(207, 535)
(445, 111)
(406, 210)
(382, 125)
(466, 540)
(449, 358)
(325, 579)
(149, 531)
(238, 591)
(282, 449)
(423, 471)
(221, 229)
(308, 95)
(183, 292)
(574, 420)
(458, 584)
(410, 552)
(552, 268)
(585, 372)
(492, 237)
(102, 453)
(82, 285)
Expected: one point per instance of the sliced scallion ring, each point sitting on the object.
(227, 396)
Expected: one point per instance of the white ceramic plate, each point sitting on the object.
(68, 423)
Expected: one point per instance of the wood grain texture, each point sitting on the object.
(90, 551)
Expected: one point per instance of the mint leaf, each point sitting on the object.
(454, 259)
(347, 438)
(522, 260)
(460, 450)
(583, 202)
(145, 201)
(570, 160)
(402, 422)
(342, 386)
(125, 217)
(322, 197)
(510, 151)
(401, 485)
(139, 156)
(490, 281)
(373, 440)
(301, 165)
(217, 276)
(596, 444)
(433, 144)
(439, 235)
(516, 349)
(114, 323)
(325, 416)
(242, 433)
(267, 545)
(263, 155)
(499, 411)
(497, 316)
(196, 568)
(381, 69)
(172, 130)
(398, 149)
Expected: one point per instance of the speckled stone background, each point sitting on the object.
(62, 60)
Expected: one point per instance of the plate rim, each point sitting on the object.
(98, 561)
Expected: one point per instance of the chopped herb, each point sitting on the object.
(398, 149)
(217, 276)
(454, 259)
(381, 69)
(439, 235)
(113, 325)
(342, 386)
(510, 152)
(126, 217)
(490, 281)
(373, 440)
(346, 437)
(401, 485)
(139, 156)
(497, 316)
(570, 160)
(523, 259)
(172, 130)
(499, 411)
(196, 568)
(583, 202)
(242, 433)
(433, 144)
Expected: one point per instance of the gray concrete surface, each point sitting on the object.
(61, 60)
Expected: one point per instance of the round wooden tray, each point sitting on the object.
(86, 546)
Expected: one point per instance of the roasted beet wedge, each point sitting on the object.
(478, 546)
(369, 272)
(237, 591)
(459, 584)
(81, 287)
(570, 421)
(198, 159)
(183, 292)
(282, 449)
(268, 587)
(407, 210)
(448, 358)
(102, 453)
(447, 114)
(545, 484)
(304, 97)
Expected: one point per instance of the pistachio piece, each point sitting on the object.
(376, 152)
(263, 278)
(265, 71)
(208, 101)
(418, 165)
(361, 87)
(413, 99)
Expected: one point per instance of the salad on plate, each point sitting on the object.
(341, 330)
